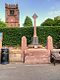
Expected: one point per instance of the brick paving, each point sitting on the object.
(19, 71)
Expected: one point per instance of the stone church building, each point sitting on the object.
(12, 15)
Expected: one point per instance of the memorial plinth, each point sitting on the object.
(35, 37)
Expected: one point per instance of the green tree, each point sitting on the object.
(28, 22)
(57, 18)
(48, 22)
(2, 24)
(57, 21)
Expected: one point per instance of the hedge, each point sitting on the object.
(12, 36)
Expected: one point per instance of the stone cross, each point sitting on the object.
(34, 17)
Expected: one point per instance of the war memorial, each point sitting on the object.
(26, 54)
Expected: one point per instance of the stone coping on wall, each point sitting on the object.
(56, 49)
(19, 50)
(37, 49)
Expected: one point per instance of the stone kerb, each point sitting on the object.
(49, 43)
(24, 48)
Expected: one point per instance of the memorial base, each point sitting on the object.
(35, 42)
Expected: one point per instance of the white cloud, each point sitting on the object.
(54, 12)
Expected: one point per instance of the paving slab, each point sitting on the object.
(20, 71)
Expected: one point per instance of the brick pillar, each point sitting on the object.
(49, 43)
(23, 47)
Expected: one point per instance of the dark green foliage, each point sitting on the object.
(48, 22)
(57, 21)
(57, 18)
(28, 22)
(12, 36)
(52, 22)
(2, 24)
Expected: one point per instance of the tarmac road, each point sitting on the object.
(19, 71)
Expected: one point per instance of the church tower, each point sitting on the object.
(12, 15)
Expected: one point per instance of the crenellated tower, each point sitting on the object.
(12, 15)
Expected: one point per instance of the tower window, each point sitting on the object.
(11, 12)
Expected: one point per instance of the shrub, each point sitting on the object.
(12, 36)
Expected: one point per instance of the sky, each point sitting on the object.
(43, 8)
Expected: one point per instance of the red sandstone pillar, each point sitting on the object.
(24, 48)
(49, 43)
(24, 43)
